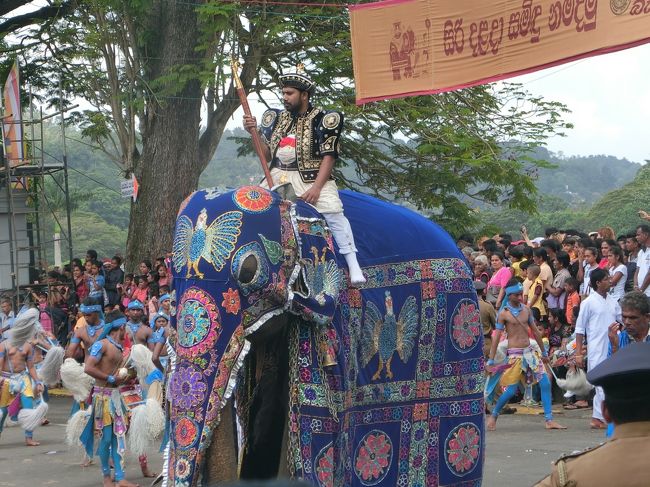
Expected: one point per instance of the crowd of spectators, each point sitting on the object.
(559, 272)
(59, 292)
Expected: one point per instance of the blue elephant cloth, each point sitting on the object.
(401, 401)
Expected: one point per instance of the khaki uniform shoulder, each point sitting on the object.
(559, 477)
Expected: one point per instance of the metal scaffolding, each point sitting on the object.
(24, 206)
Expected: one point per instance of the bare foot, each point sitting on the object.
(491, 423)
(31, 442)
(126, 483)
(87, 462)
(146, 473)
(552, 425)
(108, 482)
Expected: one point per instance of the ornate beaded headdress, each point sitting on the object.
(298, 80)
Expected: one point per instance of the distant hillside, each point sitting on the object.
(583, 179)
(101, 217)
(619, 208)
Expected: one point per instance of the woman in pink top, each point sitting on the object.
(141, 291)
(163, 278)
(44, 318)
(500, 277)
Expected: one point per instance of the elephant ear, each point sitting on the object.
(317, 279)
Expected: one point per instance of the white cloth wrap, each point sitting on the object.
(329, 201)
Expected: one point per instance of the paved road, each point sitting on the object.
(518, 453)
(53, 463)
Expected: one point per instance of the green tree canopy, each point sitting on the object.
(156, 82)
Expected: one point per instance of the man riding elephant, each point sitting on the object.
(302, 145)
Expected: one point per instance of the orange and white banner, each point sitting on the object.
(12, 122)
(415, 47)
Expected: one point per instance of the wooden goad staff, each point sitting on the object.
(257, 141)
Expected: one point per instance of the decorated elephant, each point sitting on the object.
(288, 371)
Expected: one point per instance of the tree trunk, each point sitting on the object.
(169, 167)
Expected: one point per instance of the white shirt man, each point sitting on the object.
(643, 266)
(6, 318)
(597, 313)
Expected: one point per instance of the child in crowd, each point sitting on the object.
(126, 290)
(535, 296)
(516, 258)
(140, 293)
(571, 286)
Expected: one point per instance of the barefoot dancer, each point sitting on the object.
(108, 419)
(19, 384)
(523, 363)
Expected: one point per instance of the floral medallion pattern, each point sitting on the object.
(463, 449)
(466, 325)
(252, 199)
(231, 302)
(186, 433)
(324, 466)
(187, 388)
(198, 323)
(373, 457)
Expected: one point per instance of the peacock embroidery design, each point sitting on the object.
(389, 334)
(323, 277)
(214, 243)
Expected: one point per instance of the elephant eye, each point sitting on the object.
(248, 269)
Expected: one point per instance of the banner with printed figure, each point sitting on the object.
(414, 47)
(12, 121)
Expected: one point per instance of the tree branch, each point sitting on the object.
(35, 17)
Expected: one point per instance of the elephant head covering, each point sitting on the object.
(26, 325)
(407, 383)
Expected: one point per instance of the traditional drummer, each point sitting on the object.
(109, 417)
(303, 145)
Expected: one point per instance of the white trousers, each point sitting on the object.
(342, 231)
(598, 404)
(329, 204)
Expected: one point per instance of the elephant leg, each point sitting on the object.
(267, 414)
(283, 470)
(221, 457)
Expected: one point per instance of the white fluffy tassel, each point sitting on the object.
(76, 425)
(30, 419)
(576, 382)
(49, 370)
(75, 380)
(141, 360)
(146, 427)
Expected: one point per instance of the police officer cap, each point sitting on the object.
(625, 372)
(298, 80)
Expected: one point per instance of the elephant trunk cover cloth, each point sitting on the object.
(385, 381)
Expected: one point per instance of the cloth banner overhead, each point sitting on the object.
(414, 47)
(12, 122)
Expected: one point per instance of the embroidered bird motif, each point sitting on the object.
(389, 334)
(214, 243)
(323, 277)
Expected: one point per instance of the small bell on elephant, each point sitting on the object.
(328, 347)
